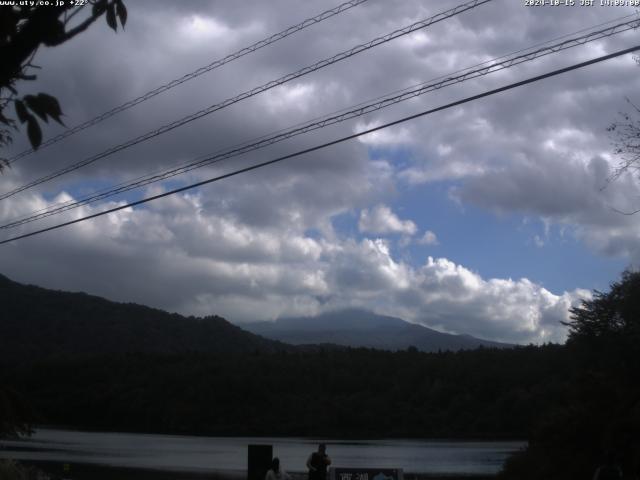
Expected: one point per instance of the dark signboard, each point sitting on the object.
(258, 461)
(365, 473)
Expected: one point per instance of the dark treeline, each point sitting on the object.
(485, 393)
(598, 414)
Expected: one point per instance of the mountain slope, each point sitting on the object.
(360, 328)
(37, 323)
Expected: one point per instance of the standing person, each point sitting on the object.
(318, 463)
(275, 472)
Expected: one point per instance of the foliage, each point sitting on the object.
(12, 470)
(15, 414)
(602, 412)
(24, 27)
(625, 133)
(347, 393)
(612, 314)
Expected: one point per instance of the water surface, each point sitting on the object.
(218, 454)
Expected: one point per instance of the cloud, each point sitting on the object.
(266, 243)
(385, 137)
(429, 238)
(441, 294)
(569, 191)
(382, 220)
(456, 299)
(183, 257)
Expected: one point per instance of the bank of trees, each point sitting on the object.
(599, 414)
(338, 393)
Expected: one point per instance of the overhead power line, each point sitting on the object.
(488, 67)
(196, 73)
(331, 143)
(255, 91)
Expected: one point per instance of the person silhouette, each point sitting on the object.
(318, 462)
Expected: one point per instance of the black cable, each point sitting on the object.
(189, 76)
(345, 114)
(333, 142)
(255, 91)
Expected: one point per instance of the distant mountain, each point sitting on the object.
(361, 328)
(39, 323)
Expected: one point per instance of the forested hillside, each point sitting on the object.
(38, 323)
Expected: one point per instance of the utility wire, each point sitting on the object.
(255, 91)
(109, 191)
(160, 175)
(196, 73)
(331, 143)
(346, 114)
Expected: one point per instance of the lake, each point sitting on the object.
(222, 454)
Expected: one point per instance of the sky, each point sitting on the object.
(492, 218)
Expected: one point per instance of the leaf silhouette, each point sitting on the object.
(98, 7)
(35, 105)
(52, 32)
(21, 111)
(51, 106)
(111, 17)
(121, 10)
(34, 132)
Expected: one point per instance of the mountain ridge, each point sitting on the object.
(362, 328)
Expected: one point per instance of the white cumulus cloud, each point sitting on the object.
(382, 220)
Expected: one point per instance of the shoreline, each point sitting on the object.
(314, 438)
(87, 471)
